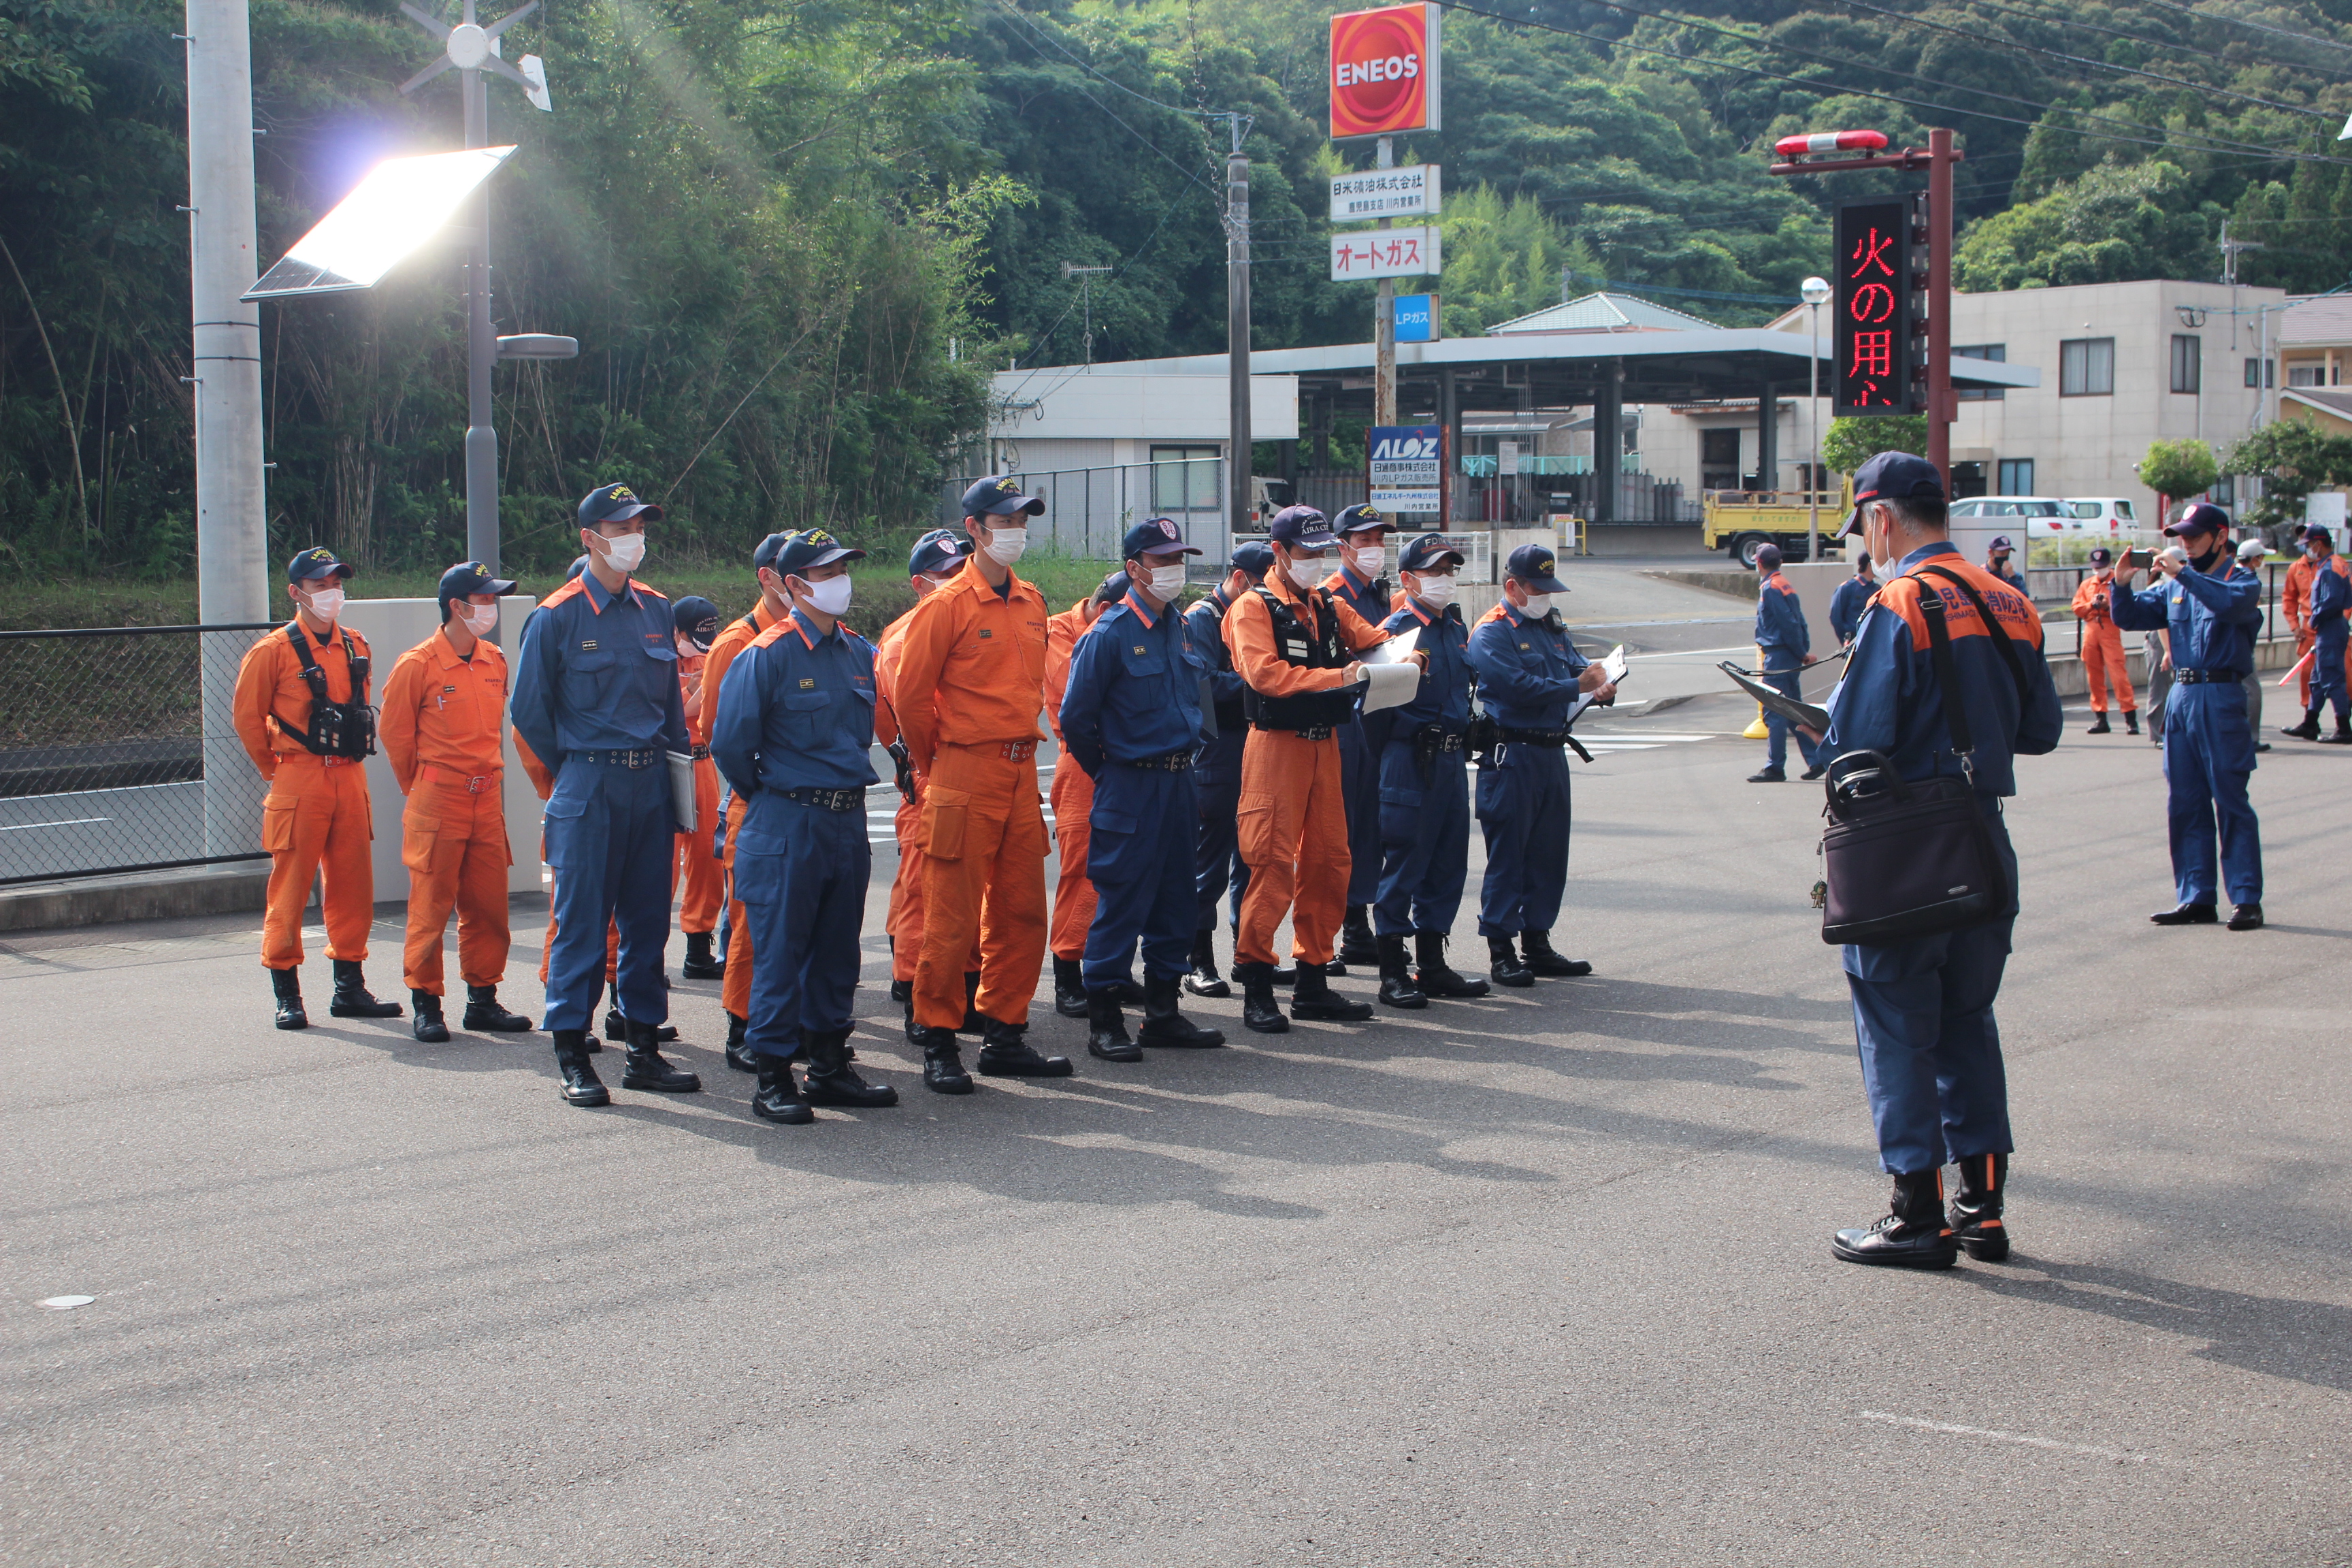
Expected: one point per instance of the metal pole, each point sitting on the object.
(1384, 394)
(232, 525)
(1237, 336)
(481, 349)
(1813, 430)
(1940, 405)
(1449, 442)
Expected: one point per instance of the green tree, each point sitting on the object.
(2292, 459)
(2117, 222)
(2174, 469)
(1503, 259)
(1854, 440)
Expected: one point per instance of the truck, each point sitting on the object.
(1744, 521)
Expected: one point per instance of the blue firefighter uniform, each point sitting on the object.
(596, 698)
(2331, 596)
(1131, 717)
(795, 720)
(1923, 1007)
(1359, 778)
(2209, 746)
(1424, 791)
(1528, 672)
(1783, 639)
(1217, 769)
(1845, 606)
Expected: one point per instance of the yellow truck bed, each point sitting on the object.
(1742, 521)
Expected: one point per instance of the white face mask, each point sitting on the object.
(931, 584)
(831, 596)
(1537, 606)
(685, 648)
(626, 553)
(1005, 545)
(1370, 560)
(1437, 592)
(1308, 570)
(326, 604)
(480, 619)
(1165, 582)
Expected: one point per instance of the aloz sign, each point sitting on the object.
(1384, 70)
(1408, 467)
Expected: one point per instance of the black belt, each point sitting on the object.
(643, 757)
(1172, 762)
(2206, 677)
(827, 799)
(1532, 737)
(702, 754)
(1312, 732)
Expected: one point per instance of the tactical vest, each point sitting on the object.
(1295, 643)
(336, 728)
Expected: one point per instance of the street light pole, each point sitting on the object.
(1813, 291)
(1237, 335)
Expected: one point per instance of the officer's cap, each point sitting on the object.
(316, 562)
(2000, 546)
(2102, 556)
(1112, 589)
(764, 555)
(1155, 536)
(2197, 517)
(1892, 476)
(1425, 552)
(1533, 566)
(811, 547)
(616, 503)
(468, 578)
(1767, 558)
(696, 619)
(1360, 519)
(1301, 528)
(999, 497)
(1256, 558)
(941, 550)
(577, 568)
(2319, 531)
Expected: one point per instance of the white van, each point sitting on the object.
(2103, 514)
(2021, 517)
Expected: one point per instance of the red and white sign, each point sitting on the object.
(1387, 253)
(1384, 70)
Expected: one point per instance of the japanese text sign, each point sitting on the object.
(1408, 467)
(1873, 335)
(1384, 70)
(1408, 192)
(1386, 253)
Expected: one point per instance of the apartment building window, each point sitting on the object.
(1718, 460)
(2261, 373)
(1981, 351)
(2086, 367)
(2306, 376)
(2187, 362)
(2224, 491)
(2016, 476)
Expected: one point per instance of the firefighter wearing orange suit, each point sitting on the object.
(443, 722)
(301, 710)
(1074, 800)
(1295, 644)
(699, 876)
(2103, 645)
(970, 680)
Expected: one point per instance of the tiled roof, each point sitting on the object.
(2321, 319)
(1603, 312)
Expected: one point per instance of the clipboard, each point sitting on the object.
(1614, 668)
(1795, 709)
(681, 790)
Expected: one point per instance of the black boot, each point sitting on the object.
(2131, 720)
(2099, 725)
(902, 992)
(2342, 735)
(425, 1022)
(833, 1081)
(739, 1055)
(1314, 999)
(1005, 1054)
(1260, 1011)
(942, 1061)
(1503, 963)
(1163, 1025)
(1436, 977)
(1914, 1234)
(700, 963)
(351, 999)
(778, 1098)
(1106, 1029)
(1205, 980)
(580, 1084)
(644, 1068)
(2306, 730)
(973, 1024)
(1976, 1217)
(1543, 961)
(1286, 978)
(287, 984)
(1070, 988)
(616, 1029)
(1397, 989)
(484, 1012)
(1356, 942)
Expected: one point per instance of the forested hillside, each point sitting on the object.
(792, 237)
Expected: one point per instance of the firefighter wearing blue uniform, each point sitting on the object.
(795, 720)
(1529, 673)
(1785, 644)
(1217, 864)
(1923, 1014)
(1424, 791)
(1131, 717)
(1846, 604)
(2210, 610)
(1361, 586)
(2331, 595)
(596, 699)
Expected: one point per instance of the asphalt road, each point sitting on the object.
(1539, 1279)
(145, 823)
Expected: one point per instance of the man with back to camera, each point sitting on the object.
(1217, 771)
(2210, 610)
(2103, 646)
(1923, 1016)
(700, 875)
(1784, 643)
(1853, 595)
(2330, 596)
(1361, 586)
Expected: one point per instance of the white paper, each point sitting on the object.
(1390, 685)
(1615, 665)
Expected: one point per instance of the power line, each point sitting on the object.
(2243, 22)
(2166, 45)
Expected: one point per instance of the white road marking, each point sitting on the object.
(2087, 1449)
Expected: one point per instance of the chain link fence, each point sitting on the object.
(117, 752)
(1088, 510)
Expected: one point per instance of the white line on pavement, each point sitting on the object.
(2092, 1450)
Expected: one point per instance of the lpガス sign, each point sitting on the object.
(1384, 75)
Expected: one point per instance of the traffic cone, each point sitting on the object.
(1756, 731)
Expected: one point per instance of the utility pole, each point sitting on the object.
(1237, 333)
(1086, 277)
(1385, 391)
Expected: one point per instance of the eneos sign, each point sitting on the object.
(1384, 70)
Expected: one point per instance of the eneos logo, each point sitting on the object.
(1384, 70)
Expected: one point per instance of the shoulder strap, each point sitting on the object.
(2000, 638)
(1939, 643)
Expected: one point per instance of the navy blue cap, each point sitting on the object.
(938, 551)
(696, 619)
(2102, 556)
(1256, 558)
(1302, 528)
(2318, 531)
(616, 503)
(1155, 536)
(1112, 589)
(999, 497)
(1533, 566)
(1892, 476)
(577, 568)
(2199, 517)
(1767, 558)
(1427, 552)
(764, 555)
(468, 578)
(316, 562)
(1999, 542)
(810, 547)
(1360, 519)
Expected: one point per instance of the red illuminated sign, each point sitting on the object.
(1876, 325)
(1384, 70)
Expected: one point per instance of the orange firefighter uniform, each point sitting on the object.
(735, 985)
(441, 729)
(969, 682)
(1073, 793)
(2103, 646)
(1293, 825)
(2295, 601)
(698, 876)
(315, 821)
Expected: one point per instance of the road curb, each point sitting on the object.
(140, 896)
